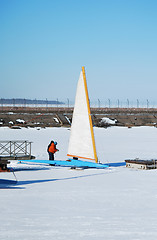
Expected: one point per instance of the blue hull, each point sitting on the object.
(70, 163)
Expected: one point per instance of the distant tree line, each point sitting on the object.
(24, 101)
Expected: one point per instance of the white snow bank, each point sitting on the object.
(20, 121)
(56, 120)
(68, 119)
(108, 120)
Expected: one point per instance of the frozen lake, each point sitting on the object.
(60, 203)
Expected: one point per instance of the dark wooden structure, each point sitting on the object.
(141, 164)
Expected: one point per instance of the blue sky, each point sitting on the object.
(44, 43)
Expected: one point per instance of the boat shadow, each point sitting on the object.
(10, 184)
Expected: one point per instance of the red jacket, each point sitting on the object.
(52, 148)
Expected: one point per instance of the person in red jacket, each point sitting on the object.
(52, 149)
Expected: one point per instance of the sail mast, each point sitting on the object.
(81, 142)
(89, 114)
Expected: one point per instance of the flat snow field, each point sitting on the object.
(60, 203)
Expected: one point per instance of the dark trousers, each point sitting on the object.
(51, 156)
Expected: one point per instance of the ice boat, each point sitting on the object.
(82, 142)
(82, 150)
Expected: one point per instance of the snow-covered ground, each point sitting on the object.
(59, 203)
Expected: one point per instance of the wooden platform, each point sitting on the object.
(22, 157)
(4, 161)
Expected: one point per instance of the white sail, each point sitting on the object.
(82, 143)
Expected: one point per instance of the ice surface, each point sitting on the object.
(59, 203)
